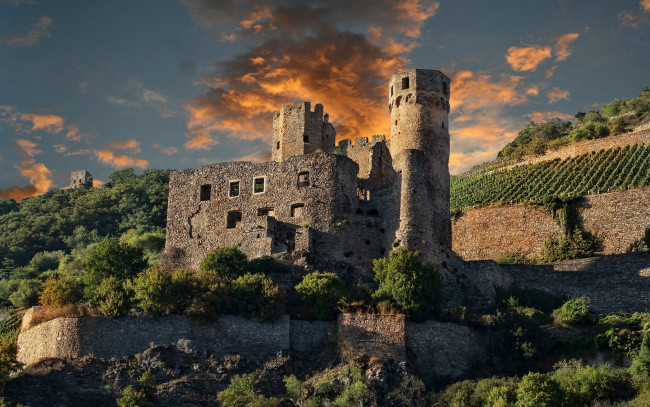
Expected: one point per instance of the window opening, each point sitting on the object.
(359, 211)
(398, 101)
(445, 89)
(234, 189)
(297, 210)
(233, 220)
(405, 83)
(206, 191)
(391, 91)
(277, 145)
(443, 125)
(303, 179)
(259, 185)
(373, 212)
(305, 138)
(266, 211)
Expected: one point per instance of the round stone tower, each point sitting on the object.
(419, 144)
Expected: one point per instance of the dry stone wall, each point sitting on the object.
(489, 232)
(380, 336)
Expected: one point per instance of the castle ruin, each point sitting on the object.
(346, 202)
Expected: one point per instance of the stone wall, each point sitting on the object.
(613, 283)
(489, 232)
(380, 336)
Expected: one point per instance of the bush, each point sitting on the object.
(573, 312)
(26, 294)
(243, 392)
(111, 298)
(411, 392)
(585, 384)
(139, 395)
(8, 362)
(211, 296)
(255, 295)
(60, 291)
(152, 291)
(109, 258)
(539, 390)
(227, 262)
(412, 287)
(514, 258)
(320, 293)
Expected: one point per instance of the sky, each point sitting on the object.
(106, 85)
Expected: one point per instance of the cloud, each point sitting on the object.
(471, 92)
(134, 96)
(97, 183)
(79, 152)
(27, 147)
(645, 5)
(479, 142)
(299, 51)
(561, 48)
(110, 158)
(39, 177)
(527, 58)
(60, 148)
(258, 157)
(73, 133)
(636, 20)
(165, 150)
(539, 117)
(29, 122)
(131, 144)
(557, 94)
(31, 37)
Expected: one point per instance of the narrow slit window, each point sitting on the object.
(277, 145)
(233, 220)
(391, 91)
(233, 189)
(405, 83)
(297, 210)
(303, 179)
(259, 185)
(206, 191)
(445, 89)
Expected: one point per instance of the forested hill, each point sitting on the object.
(36, 233)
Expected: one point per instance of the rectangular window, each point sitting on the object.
(297, 210)
(303, 179)
(405, 83)
(233, 220)
(206, 191)
(233, 191)
(259, 185)
(265, 212)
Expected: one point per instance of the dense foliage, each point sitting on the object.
(320, 293)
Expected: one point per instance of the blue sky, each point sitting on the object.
(101, 85)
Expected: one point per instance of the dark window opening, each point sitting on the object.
(391, 91)
(259, 185)
(395, 122)
(297, 210)
(398, 101)
(373, 212)
(266, 212)
(233, 220)
(443, 125)
(305, 139)
(405, 83)
(277, 145)
(303, 179)
(206, 191)
(359, 211)
(234, 189)
(445, 89)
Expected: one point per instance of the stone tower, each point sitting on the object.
(80, 179)
(419, 144)
(298, 131)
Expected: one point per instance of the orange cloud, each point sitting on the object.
(73, 133)
(39, 178)
(417, 12)
(27, 147)
(50, 123)
(645, 5)
(562, 47)
(477, 143)
(130, 144)
(97, 183)
(527, 58)
(29, 122)
(31, 37)
(557, 94)
(258, 157)
(108, 157)
(539, 117)
(165, 150)
(533, 91)
(79, 152)
(60, 148)
(471, 91)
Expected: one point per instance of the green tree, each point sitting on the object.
(539, 390)
(111, 258)
(26, 294)
(61, 290)
(112, 299)
(243, 392)
(320, 293)
(410, 286)
(152, 291)
(255, 295)
(211, 298)
(227, 262)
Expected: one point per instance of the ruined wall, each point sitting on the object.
(489, 232)
(311, 191)
(380, 336)
(613, 283)
(298, 131)
(373, 158)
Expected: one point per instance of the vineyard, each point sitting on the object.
(591, 173)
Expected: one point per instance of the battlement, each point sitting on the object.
(299, 131)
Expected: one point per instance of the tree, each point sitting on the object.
(410, 286)
(227, 262)
(111, 258)
(60, 291)
(255, 295)
(538, 390)
(111, 298)
(320, 293)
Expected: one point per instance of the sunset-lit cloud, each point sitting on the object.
(301, 53)
(645, 5)
(480, 142)
(636, 19)
(527, 58)
(561, 49)
(258, 157)
(557, 94)
(97, 183)
(165, 150)
(110, 158)
(30, 122)
(79, 152)
(27, 147)
(39, 177)
(131, 144)
(539, 117)
(73, 133)
(60, 148)
(31, 37)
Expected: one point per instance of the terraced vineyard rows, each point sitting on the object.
(595, 172)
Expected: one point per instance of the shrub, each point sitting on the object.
(586, 384)
(514, 258)
(411, 392)
(109, 258)
(320, 293)
(573, 312)
(26, 294)
(227, 262)
(538, 390)
(211, 296)
(255, 295)
(243, 392)
(8, 362)
(412, 287)
(111, 298)
(152, 291)
(139, 395)
(60, 291)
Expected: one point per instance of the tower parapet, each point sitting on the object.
(298, 131)
(80, 179)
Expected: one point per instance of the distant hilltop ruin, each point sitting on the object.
(80, 179)
(350, 202)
